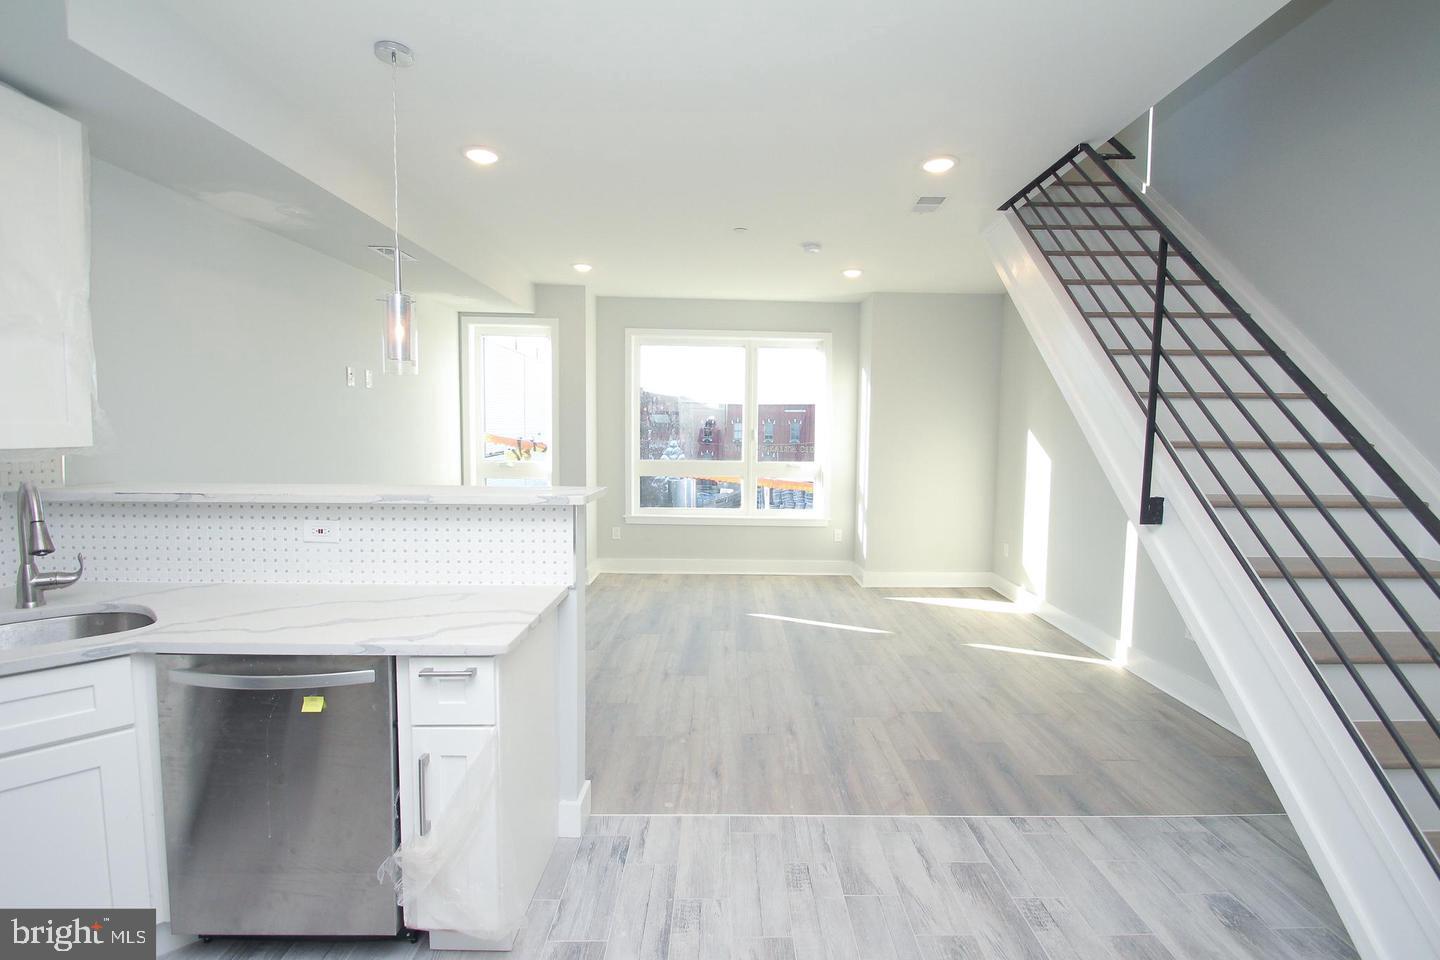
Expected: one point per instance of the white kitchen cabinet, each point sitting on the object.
(46, 357)
(443, 756)
(73, 837)
(450, 711)
(72, 794)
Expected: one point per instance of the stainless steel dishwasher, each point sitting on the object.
(278, 777)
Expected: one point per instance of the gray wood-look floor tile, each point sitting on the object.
(951, 948)
(991, 916)
(574, 950)
(591, 889)
(700, 930)
(884, 888)
(557, 870)
(1083, 885)
(1315, 944)
(765, 948)
(1063, 932)
(695, 706)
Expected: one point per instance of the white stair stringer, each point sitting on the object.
(1375, 872)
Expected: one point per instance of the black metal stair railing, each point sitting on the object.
(1119, 262)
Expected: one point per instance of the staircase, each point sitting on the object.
(1307, 522)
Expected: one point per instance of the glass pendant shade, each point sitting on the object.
(402, 341)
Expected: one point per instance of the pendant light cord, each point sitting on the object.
(395, 157)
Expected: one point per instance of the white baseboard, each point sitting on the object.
(1199, 696)
(574, 814)
(746, 567)
(902, 578)
(796, 568)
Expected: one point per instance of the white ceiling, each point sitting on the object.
(636, 134)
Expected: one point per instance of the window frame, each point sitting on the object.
(472, 400)
(750, 470)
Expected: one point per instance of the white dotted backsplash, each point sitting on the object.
(424, 544)
(43, 470)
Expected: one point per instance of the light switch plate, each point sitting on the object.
(349, 376)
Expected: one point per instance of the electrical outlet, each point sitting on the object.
(369, 379)
(614, 533)
(349, 376)
(839, 535)
(321, 533)
(1005, 550)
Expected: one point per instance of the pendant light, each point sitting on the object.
(401, 342)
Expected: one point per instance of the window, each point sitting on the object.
(687, 467)
(508, 402)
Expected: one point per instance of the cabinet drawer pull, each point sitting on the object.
(424, 816)
(467, 673)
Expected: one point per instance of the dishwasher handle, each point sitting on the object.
(277, 681)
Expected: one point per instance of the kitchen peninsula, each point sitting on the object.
(467, 601)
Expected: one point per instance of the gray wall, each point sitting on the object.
(777, 546)
(930, 386)
(571, 307)
(221, 351)
(1307, 157)
(1083, 571)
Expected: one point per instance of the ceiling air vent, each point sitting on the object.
(927, 204)
(388, 252)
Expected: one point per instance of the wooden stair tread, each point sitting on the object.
(1432, 837)
(1296, 501)
(1402, 647)
(1343, 568)
(1260, 445)
(1187, 352)
(1417, 735)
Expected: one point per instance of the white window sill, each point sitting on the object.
(751, 521)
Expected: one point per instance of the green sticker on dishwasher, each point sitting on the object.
(312, 705)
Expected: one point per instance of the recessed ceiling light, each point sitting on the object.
(484, 156)
(582, 267)
(810, 246)
(938, 165)
(740, 229)
(853, 273)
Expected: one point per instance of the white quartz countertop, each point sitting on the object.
(266, 618)
(320, 493)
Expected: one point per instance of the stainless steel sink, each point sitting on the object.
(73, 626)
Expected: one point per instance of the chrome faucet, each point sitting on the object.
(30, 583)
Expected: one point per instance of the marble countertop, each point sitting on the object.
(263, 618)
(319, 493)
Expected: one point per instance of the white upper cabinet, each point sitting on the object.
(46, 357)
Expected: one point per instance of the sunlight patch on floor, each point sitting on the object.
(1025, 604)
(818, 623)
(1044, 653)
